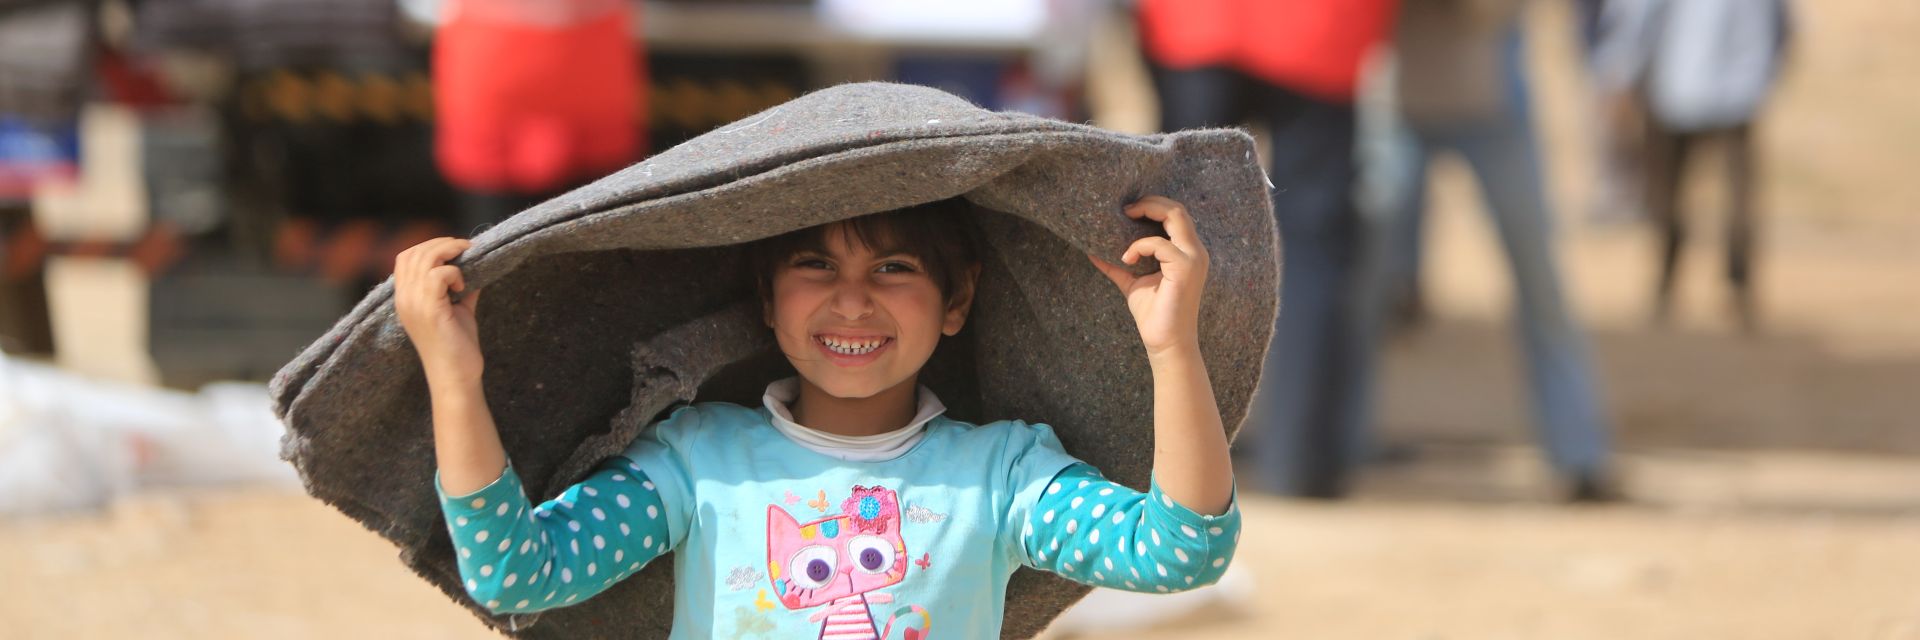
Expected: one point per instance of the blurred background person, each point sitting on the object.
(533, 97)
(1614, 130)
(1461, 88)
(1291, 67)
(1699, 71)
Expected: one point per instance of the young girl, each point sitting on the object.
(846, 506)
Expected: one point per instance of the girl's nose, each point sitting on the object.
(851, 300)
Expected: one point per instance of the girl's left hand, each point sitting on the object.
(1166, 304)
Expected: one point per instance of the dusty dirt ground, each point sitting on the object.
(1775, 478)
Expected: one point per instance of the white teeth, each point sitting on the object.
(852, 347)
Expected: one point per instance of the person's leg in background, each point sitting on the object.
(1311, 393)
(1738, 147)
(1619, 190)
(1614, 124)
(1586, 14)
(1200, 97)
(1401, 246)
(480, 211)
(1391, 199)
(1506, 164)
(1667, 153)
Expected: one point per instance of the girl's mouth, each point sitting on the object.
(847, 351)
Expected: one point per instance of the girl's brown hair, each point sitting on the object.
(939, 233)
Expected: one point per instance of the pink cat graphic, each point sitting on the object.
(839, 561)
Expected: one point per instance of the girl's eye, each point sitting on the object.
(896, 267)
(811, 263)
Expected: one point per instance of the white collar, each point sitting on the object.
(882, 446)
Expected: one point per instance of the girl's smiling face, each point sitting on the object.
(855, 321)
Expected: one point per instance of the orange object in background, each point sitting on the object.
(533, 97)
(1313, 46)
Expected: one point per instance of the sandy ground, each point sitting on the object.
(248, 564)
(1775, 478)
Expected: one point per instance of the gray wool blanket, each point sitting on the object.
(611, 304)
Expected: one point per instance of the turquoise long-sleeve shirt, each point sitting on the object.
(773, 536)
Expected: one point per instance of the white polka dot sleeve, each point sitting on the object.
(1090, 530)
(517, 558)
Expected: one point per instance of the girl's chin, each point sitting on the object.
(850, 389)
(849, 385)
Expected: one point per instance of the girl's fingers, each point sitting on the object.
(406, 267)
(432, 253)
(403, 266)
(1181, 230)
(1174, 217)
(444, 249)
(413, 264)
(1153, 208)
(470, 299)
(444, 278)
(404, 276)
(1154, 247)
(1119, 275)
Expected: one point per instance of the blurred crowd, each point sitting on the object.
(284, 150)
(1357, 98)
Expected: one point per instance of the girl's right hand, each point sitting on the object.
(443, 332)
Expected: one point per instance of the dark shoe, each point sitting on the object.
(1594, 488)
(1407, 311)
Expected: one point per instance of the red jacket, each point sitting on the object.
(1313, 46)
(537, 104)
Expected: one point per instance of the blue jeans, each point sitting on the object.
(1312, 394)
(1502, 151)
